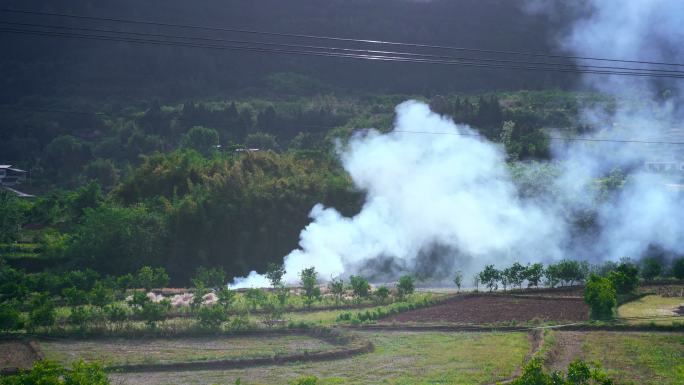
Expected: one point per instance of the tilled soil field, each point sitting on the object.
(497, 308)
(15, 354)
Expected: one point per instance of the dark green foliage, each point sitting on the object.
(651, 268)
(406, 286)
(625, 278)
(10, 318)
(74, 296)
(360, 286)
(149, 278)
(678, 268)
(567, 272)
(153, 312)
(489, 277)
(533, 274)
(101, 295)
(578, 373)
(139, 299)
(42, 311)
(201, 139)
(213, 277)
(80, 316)
(11, 216)
(308, 278)
(116, 313)
(112, 239)
(275, 273)
(601, 296)
(211, 317)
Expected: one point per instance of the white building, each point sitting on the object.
(10, 176)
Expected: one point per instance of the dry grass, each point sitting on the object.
(651, 306)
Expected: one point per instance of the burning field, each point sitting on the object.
(479, 309)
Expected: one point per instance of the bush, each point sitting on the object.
(150, 278)
(209, 277)
(625, 278)
(382, 293)
(360, 286)
(101, 295)
(153, 312)
(80, 316)
(51, 373)
(10, 318)
(678, 268)
(601, 296)
(652, 268)
(578, 373)
(405, 286)
(306, 380)
(211, 317)
(116, 313)
(74, 296)
(336, 287)
(42, 311)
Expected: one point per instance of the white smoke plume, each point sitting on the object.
(446, 199)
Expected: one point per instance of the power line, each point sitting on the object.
(333, 38)
(384, 58)
(346, 50)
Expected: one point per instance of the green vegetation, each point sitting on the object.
(637, 358)
(578, 373)
(651, 306)
(601, 296)
(51, 373)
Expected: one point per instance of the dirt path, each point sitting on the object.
(568, 347)
(536, 339)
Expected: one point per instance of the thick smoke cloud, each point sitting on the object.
(446, 199)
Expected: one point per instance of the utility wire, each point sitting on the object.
(339, 49)
(328, 54)
(331, 38)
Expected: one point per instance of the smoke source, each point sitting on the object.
(445, 199)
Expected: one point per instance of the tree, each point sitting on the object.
(150, 278)
(651, 268)
(201, 139)
(458, 279)
(275, 273)
(506, 277)
(678, 268)
(261, 141)
(336, 287)
(516, 274)
(533, 274)
(225, 297)
(308, 278)
(625, 278)
(42, 311)
(153, 312)
(101, 295)
(212, 277)
(489, 277)
(382, 293)
(405, 286)
(10, 318)
(476, 281)
(360, 286)
(11, 217)
(601, 296)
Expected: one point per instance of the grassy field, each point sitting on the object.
(638, 358)
(399, 358)
(651, 306)
(128, 351)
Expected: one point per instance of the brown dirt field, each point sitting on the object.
(15, 354)
(497, 308)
